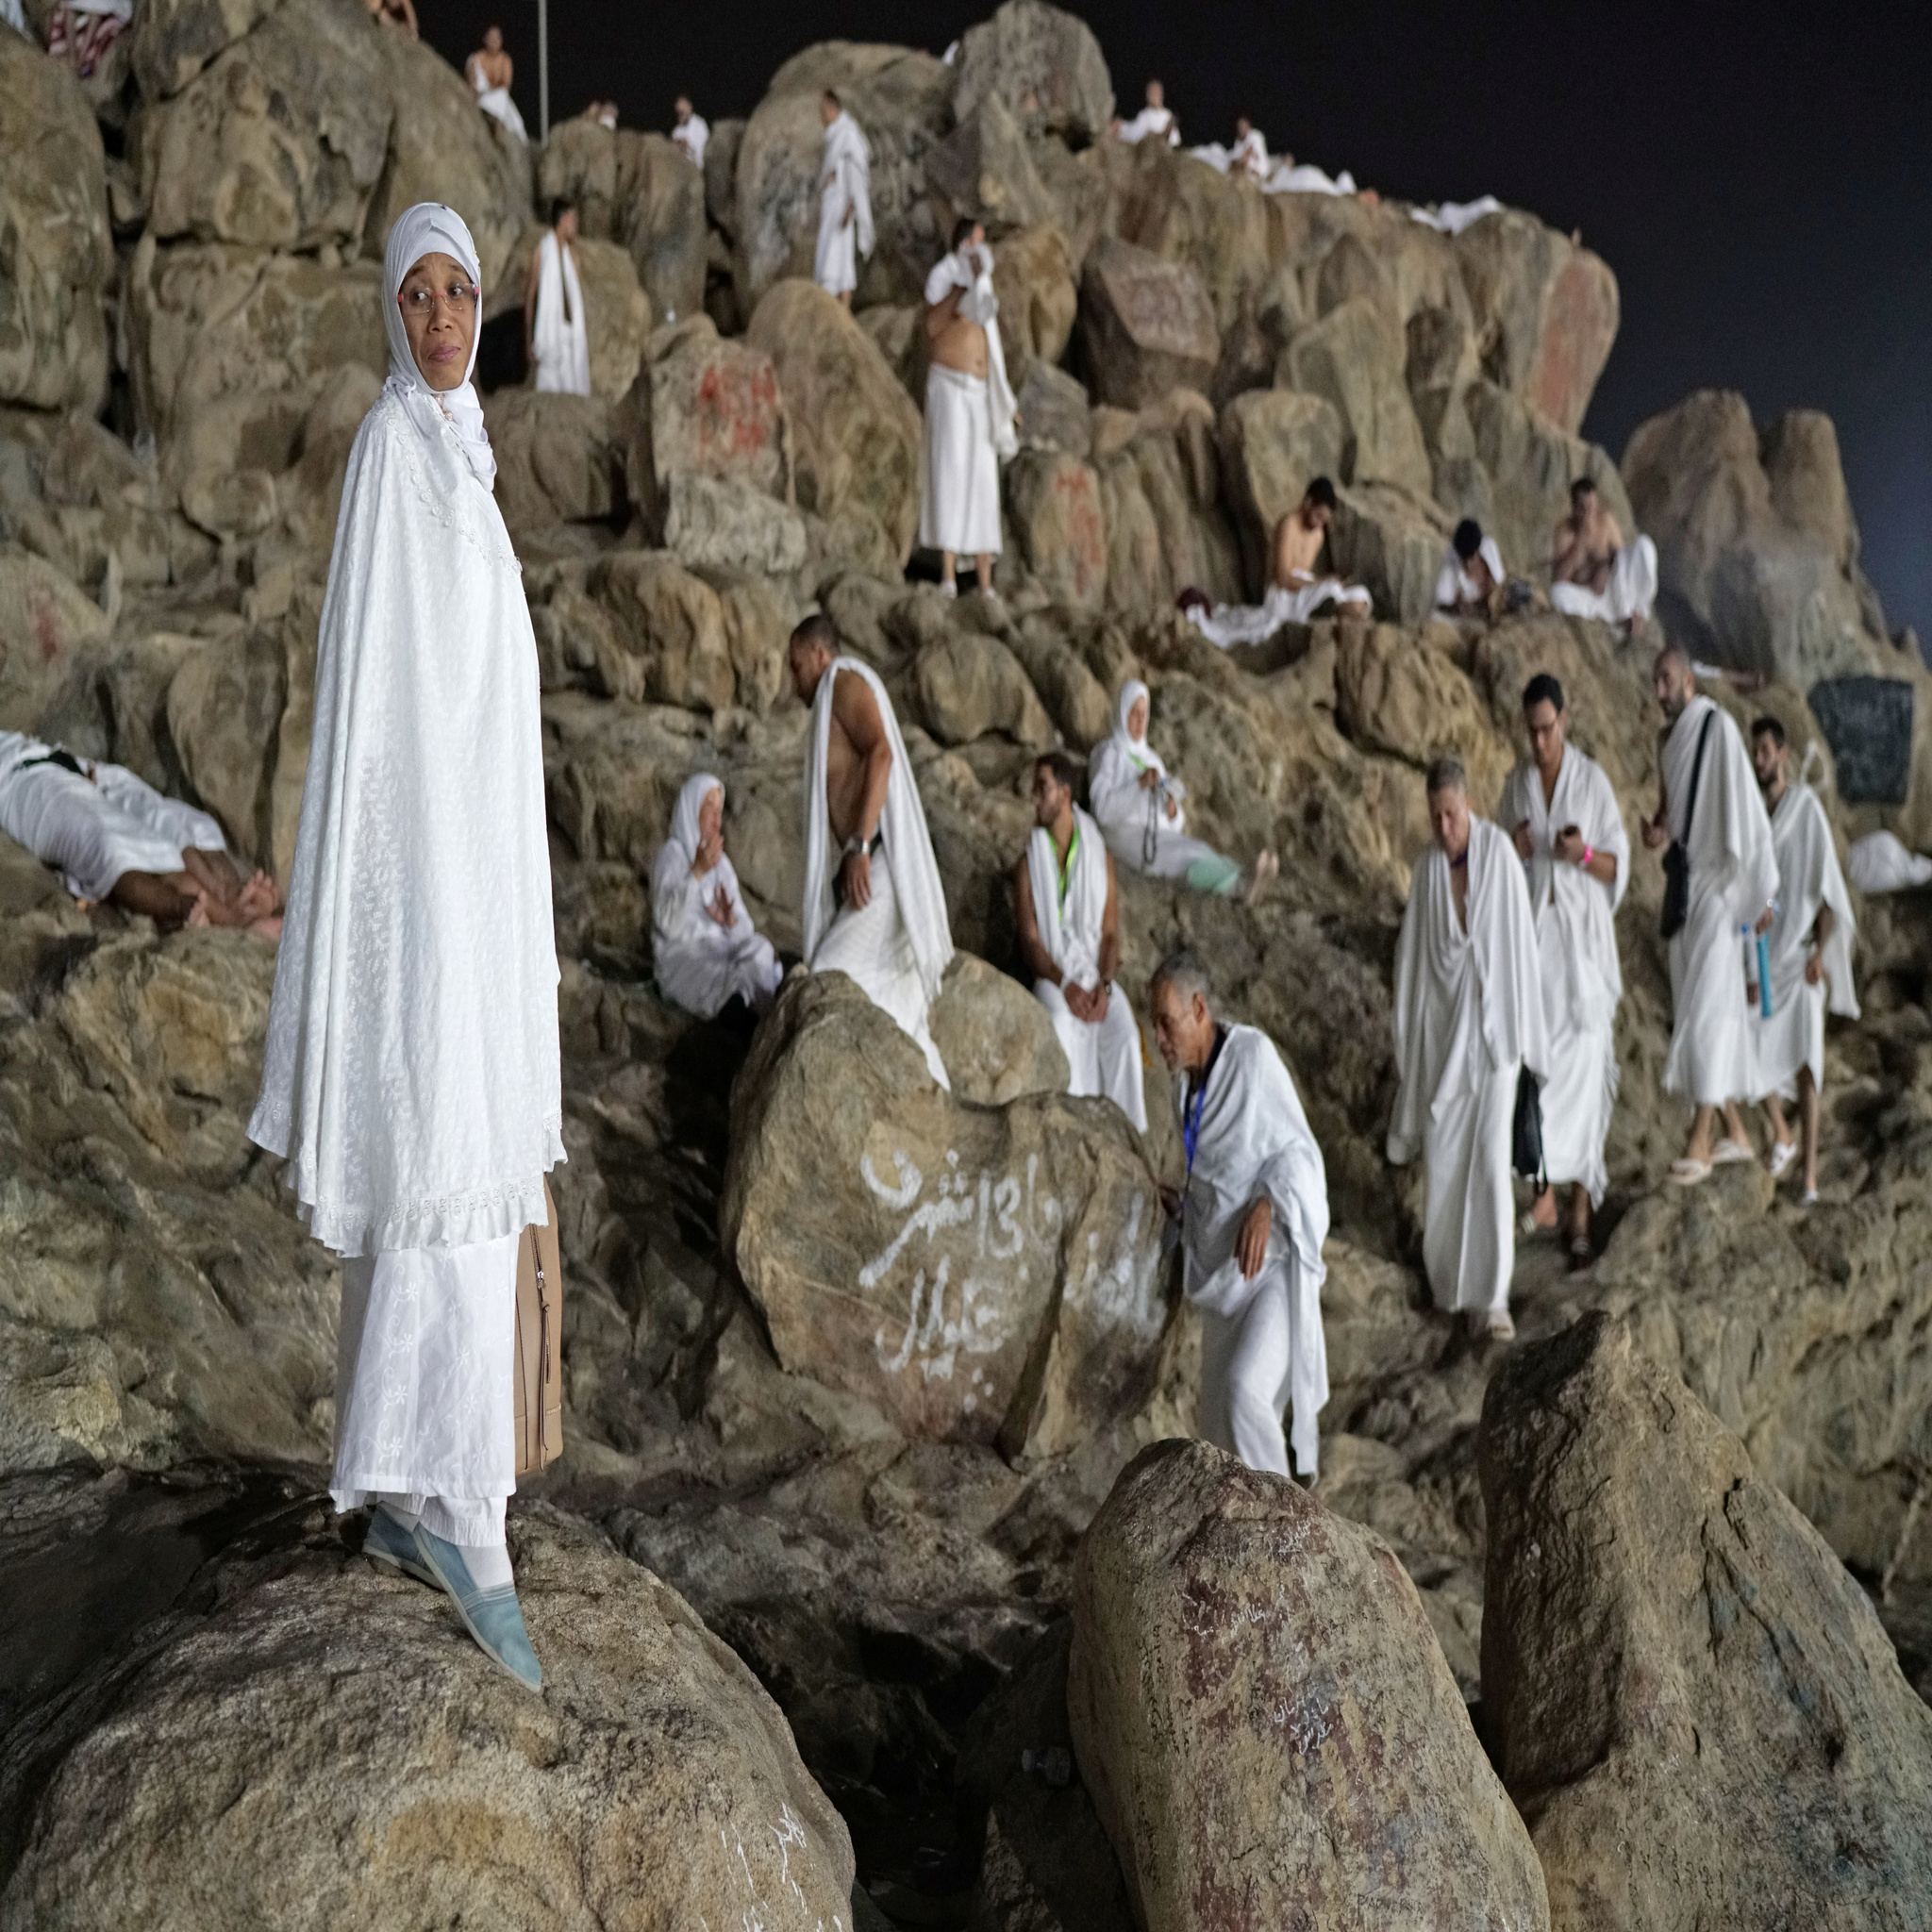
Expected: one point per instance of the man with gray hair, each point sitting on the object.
(1469, 1019)
(1254, 1212)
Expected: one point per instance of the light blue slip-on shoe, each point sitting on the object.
(492, 1617)
(388, 1542)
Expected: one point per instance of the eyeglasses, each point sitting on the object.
(460, 298)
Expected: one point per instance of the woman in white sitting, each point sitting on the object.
(706, 949)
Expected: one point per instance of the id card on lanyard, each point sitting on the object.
(1191, 1117)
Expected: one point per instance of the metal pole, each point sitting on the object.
(543, 67)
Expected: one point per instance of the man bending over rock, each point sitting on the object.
(1713, 820)
(1810, 954)
(1471, 573)
(1138, 804)
(1254, 1212)
(1067, 911)
(873, 906)
(1294, 592)
(1469, 1017)
(969, 412)
(115, 839)
(1593, 572)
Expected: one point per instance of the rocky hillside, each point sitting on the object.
(810, 1574)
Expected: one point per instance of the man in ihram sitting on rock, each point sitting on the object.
(1593, 571)
(969, 412)
(1469, 1020)
(1254, 1213)
(874, 907)
(1295, 592)
(1067, 911)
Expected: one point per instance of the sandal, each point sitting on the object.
(1499, 1327)
(1727, 1151)
(1686, 1173)
(1582, 1252)
(1782, 1153)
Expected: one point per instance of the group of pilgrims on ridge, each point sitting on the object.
(411, 1076)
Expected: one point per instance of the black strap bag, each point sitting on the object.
(1677, 856)
(1527, 1133)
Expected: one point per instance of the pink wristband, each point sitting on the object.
(1589, 853)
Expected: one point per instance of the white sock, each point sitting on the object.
(488, 1564)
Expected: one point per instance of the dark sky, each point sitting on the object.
(1758, 177)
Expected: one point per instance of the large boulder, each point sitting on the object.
(617, 315)
(983, 172)
(1529, 463)
(1409, 697)
(1264, 1719)
(1758, 551)
(1390, 539)
(442, 149)
(1545, 309)
(559, 459)
(45, 622)
(1694, 1704)
(280, 142)
(1033, 276)
(1273, 443)
(301, 1704)
(964, 685)
(57, 252)
(640, 192)
(902, 100)
(983, 1274)
(1177, 207)
(1147, 325)
(671, 631)
(1042, 64)
(855, 430)
(727, 527)
(1355, 359)
(1058, 526)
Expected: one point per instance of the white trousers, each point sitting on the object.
(1247, 1368)
(1103, 1056)
(1469, 1234)
(425, 1401)
(1630, 593)
(872, 947)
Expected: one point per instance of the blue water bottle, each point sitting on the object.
(1764, 974)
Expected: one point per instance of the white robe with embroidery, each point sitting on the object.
(700, 965)
(845, 176)
(898, 946)
(1733, 879)
(1468, 1015)
(1262, 1341)
(1808, 878)
(1103, 1055)
(1577, 943)
(558, 332)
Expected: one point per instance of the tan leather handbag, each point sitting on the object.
(539, 1343)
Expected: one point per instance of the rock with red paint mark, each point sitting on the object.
(1147, 326)
(1546, 312)
(1696, 1706)
(1058, 526)
(1265, 1722)
(982, 1272)
(54, 236)
(45, 622)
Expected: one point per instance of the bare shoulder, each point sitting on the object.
(854, 706)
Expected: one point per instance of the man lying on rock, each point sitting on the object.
(969, 412)
(703, 948)
(117, 840)
(1593, 571)
(1138, 805)
(410, 1077)
(1254, 1213)
(873, 906)
(1469, 1019)
(1295, 592)
(1067, 911)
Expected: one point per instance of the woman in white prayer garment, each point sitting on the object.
(411, 1078)
(845, 231)
(705, 950)
(1138, 804)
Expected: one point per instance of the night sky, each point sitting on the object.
(1758, 177)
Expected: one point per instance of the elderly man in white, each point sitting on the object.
(1254, 1213)
(845, 230)
(410, 1077)
(1560, 807)
(873, 906)
(705, 950)
(1469, 1019)
(1067, 911)
(1713, 823)
(1810, 954)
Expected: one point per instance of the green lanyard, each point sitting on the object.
(1067, 864)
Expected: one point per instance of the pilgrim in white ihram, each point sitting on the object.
(968, 430)
(1469, 1016)
(703, 948)
(898, 945)
(845, 230)
(411, 1076)
(561, 337)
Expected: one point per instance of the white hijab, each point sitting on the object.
(1136, 750)
(430, 229)
(684, 815)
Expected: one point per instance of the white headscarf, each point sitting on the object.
(429, 229)
(1137, 750)
(684, 816)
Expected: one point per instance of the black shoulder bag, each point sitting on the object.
(1677, 856)
(1527, 1133)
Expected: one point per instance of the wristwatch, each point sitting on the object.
(853, 844)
